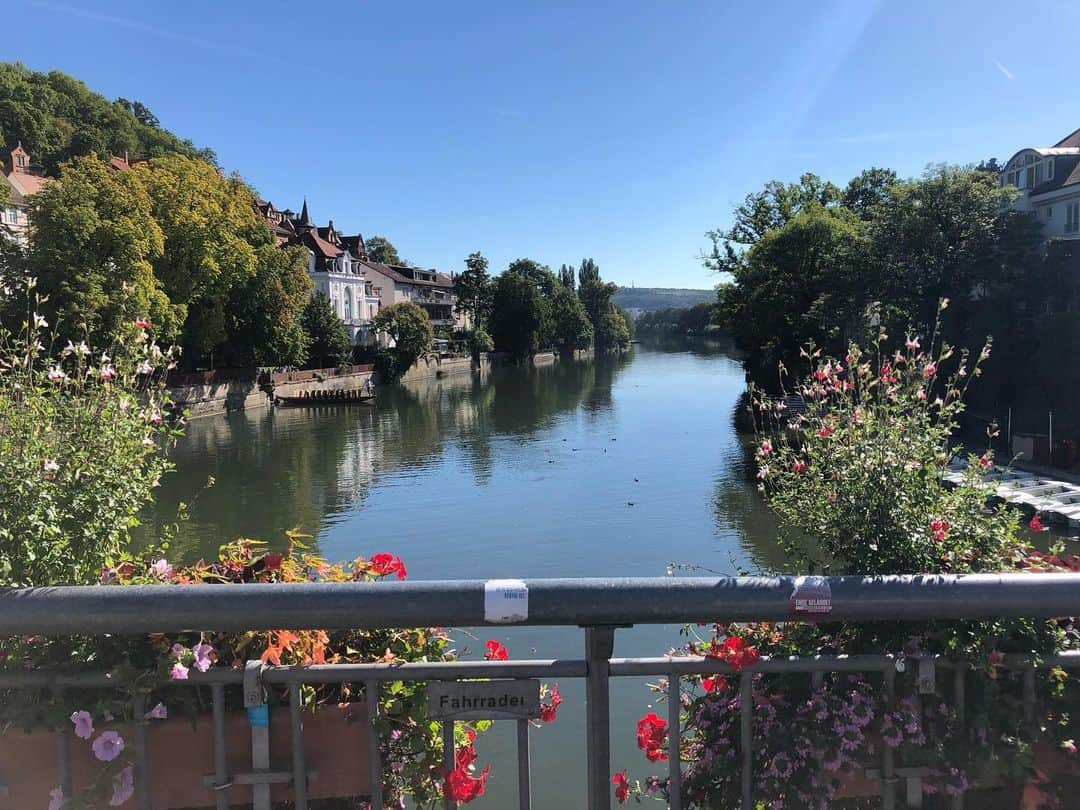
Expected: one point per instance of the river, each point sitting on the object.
(613, 467)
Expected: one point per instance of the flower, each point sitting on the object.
(51, 466)
(202, 656)
(716, 683)
(495, 651)
(56, 798)
(123, 786)
(929, 370)
(766, 447)
(384, 564)
(798, 467)
(107, 372)
(734, 651)
(142, 323)
(1036, 524)
(84, 724)
(162, 570)
(549, 708)
(994, 659)
(108, 746)
(651, 734)
(912, 343)
(986, 460)
(145, 367)
(178, 672)
(622, 786)
(56, 373)
(462, 787)
(826, 431)
(939, 527)
(1069, 746)
(40, 322)
(159, 712)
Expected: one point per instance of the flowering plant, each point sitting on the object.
(153, 667)
(82, 441)
(856, 478)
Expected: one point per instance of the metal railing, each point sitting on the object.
(599, 606)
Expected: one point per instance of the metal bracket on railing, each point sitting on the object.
(258, 713)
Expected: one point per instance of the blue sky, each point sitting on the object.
(618, 130)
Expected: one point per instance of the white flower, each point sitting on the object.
(107, 372)
(40, 322)
(57, 373)
(145, 367)
(51, 466)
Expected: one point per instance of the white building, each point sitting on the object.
(1049, 181)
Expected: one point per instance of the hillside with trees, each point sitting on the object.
(56, 117)
(649, 299)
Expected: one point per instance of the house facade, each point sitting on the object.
(23, 184)
(334, 266)
(1048, 178)
(430, 289)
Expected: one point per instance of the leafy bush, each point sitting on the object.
(409, 327)
(82, 448)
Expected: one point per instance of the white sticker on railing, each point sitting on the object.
(811, 595)
(506, 601)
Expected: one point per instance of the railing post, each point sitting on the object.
(599, 646)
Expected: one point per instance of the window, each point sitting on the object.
(1049, 212)
(13, 216)
(1050, 169)
(20, 161)
(1072, 217)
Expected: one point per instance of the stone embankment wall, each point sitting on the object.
(205, 393)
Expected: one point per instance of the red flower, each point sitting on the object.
(466, 755)
(798, 467)
(1036, 524)
(651, 734)
(142, 323)
(929, 370)
(734, 651)
(385, 564)
(462, 787)
(495, 651)
(717, 683)
(548, 709)
(622, 786)
(272, 562)
(939, 527)
(826, 431)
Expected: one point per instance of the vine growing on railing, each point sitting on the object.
(857, 482)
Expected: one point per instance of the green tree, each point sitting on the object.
(473, 288)
(212, 240)
(613, 331)
(545, 282)
(270, 306)
(571, 326)
(93, 251)
(803, 282)
(594, 293)
(567, 276)
(328, 340)
(380, 249)
(763, 212)
(871, 188)
(516, 317)
(409, 327)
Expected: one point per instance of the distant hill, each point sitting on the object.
(649, 299)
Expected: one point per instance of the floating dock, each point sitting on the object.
(1057, 500)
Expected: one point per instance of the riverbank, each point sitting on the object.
(212, 393)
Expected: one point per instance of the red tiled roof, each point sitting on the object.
(27, 184)
(119, 163)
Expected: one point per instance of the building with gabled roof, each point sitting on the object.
(1048, 178)
(432, 290)
(23, 184)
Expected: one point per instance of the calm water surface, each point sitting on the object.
(615, 467)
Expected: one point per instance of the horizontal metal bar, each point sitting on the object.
(258, 778)
(593, 602)
(539, 668)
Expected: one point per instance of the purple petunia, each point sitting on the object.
(123, 786)
(108, 746)
(84, 724)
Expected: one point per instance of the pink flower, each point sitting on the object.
(986, 460)
(1069, 746)
(202, 656)
(766, 447)
(929, 370)
(108, 746)
(798, 467)
(159, 712)
(56, 798)
(161, 569)
(107, 372)
(921, 396)
(142, 323)
(1036, 524)
(123, 786)
(940, 528)
(56, 373)
(178, 672)
(826, 431)
(84, 724)
(912, 343)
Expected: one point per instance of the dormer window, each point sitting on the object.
(20, 161)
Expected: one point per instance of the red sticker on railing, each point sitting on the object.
(811, 595)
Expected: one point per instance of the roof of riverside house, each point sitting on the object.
(26, 185)
(405, 274)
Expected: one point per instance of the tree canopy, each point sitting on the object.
(409, 327)
(328, 340)
(380, 249)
